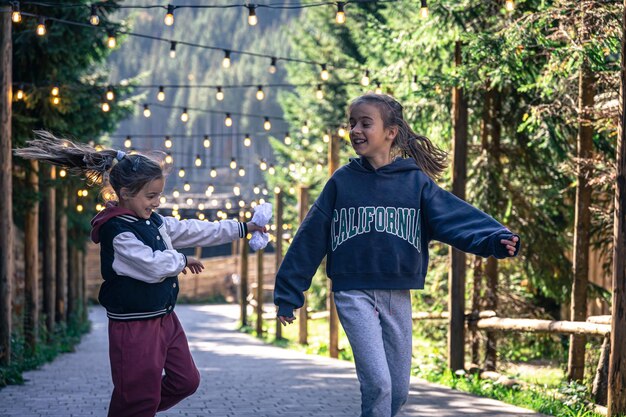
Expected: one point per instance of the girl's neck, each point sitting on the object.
(379, 161)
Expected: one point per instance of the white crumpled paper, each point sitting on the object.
(262, 215)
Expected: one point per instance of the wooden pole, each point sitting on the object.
(31, 261)
(456, 275)
(7, 267)
(62, 258)
(333, 319)
(243, 286)
(72, 283)
(616, 402)
(49, 252)
(278, 207)
(259, 292)
(303, 209)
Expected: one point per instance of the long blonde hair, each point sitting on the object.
(430, 158)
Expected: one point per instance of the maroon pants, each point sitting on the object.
(139, 352)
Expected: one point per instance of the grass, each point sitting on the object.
(547, 391)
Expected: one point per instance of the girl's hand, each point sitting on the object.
(194, 265)
(511, 244)
(284, 320)
(253, 227)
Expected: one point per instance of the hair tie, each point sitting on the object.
(120, 155)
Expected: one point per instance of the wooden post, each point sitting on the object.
(49, 251)
(303, 209)
(600, 381)
(491, 298)
(7, 267)
(278, 207)
(476, 288)
(72, 283)
(62, 261)
(259, 292)
(31, 261)
(333, 319)
(243, 285)
(83, 288)
(616, 402)
(456, 275)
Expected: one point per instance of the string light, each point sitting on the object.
(233, 163)
(271, 169)
(41, 26)
(186, 186)
(365, 81)
(181, 172)
(242, 172)
(146, 111)
(319, 93)
(105, 107)
(207, 141)
(198, 161)
(272, 68)
(173, 49)
(256, 189)
(79, 208)
(226, 60)
(340, 17)
(62, 173)
(56, 100)
(168, 158)
(276, 191)
(242, 204)
(219, 95)
(16, 16)
(341, 132)
(263, 165)
(414, 84)
(424, 9)
(111, 41)
(326, 138)
(184, 117)
(19, 95)
(175, 193)
(287, 139)
(110, 94)
(163, 199)
(213, 172)
(252, 19)
(379, 89)
(55, 90)
(509, 5)
(169, 16)
(324, 73)
(94, 19)
(260, 95)
(267, 125)
(209, 189)
(168, 142)
(247, 141)
(228, 121)
(128, 142)
(161, 93)
(237, 190)
(305, 127)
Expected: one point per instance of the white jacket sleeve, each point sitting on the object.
(193, 233)
(132, 258)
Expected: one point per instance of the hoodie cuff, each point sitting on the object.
(285, 310)
(500, 251)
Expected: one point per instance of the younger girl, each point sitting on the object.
(374, 220)
(140, 267)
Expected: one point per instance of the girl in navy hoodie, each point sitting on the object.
(151, 365)
(373, 221)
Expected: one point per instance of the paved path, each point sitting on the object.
(241, 377)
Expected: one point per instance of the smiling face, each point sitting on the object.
(369, 136)
(146, 200)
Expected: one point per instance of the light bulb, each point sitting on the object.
(341, 132)
(305, 127)
(161, 94)
(16, 16)
(379, 89)
(272, 68)
(146, 111)
(111, 41)
(226, 60)
(56, 100)
(267, 125)
(181, 172)
(340, 17)
(233, 163)
(271, 170)
(213, 172)
(173, 50)
(324, 73)
(252, 19)
(168, 158)
(94, 19)
(198, 161)
(176, 193)
(20, 93)
(247, 141)
(228, 121)
(424, 9)
(287, 139)
(319, 93)
(184, 117)
(169, 16)
(128, 142)
(365, 81)
(168, 142)
(207, 142)
(209, 189)
(260, 95)
(242, 172)
(55, 91)
(186, 187)
(237, 190)
(110, 95)
(41, 27)
(219, 95)
(326, 138)
(509, 5)
(263, 165)
(105, 107)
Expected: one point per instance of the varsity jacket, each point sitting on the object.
(139, 261)
(374, 227)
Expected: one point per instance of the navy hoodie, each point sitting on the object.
(374, 226)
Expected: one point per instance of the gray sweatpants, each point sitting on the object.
(378, 324)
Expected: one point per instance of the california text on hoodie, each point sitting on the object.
(139, 261)
(374, 226)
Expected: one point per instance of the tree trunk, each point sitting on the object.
(456, 274)
(73, 301)
(333, 319)
(600, 381)
(49, 250)
(278, 200)
(616, 401)
(243, 285)
(62, 262)
(7, 267)
(259, 292)
(491, 303)
(582, 222)
(31, 264)
(476, 290)
(303, 209)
